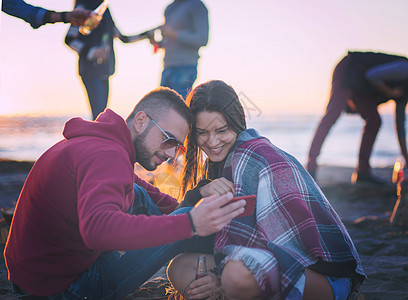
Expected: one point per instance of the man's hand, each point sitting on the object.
(211, 214)
(219, 186)
(78, 16)
(152, 40)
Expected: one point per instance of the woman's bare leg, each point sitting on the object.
(238, 282)
(182, 269)
(317, 286)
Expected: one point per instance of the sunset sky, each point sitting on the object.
(280, 54)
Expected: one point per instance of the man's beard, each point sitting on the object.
(143, 156)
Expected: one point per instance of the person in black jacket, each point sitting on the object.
(96, 56)
(361, 82)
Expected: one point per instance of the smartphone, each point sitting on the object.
(250, 204)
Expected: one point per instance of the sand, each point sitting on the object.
(364, 209)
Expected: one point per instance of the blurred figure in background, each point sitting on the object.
(96, 56)
(38, 16)
(361, 82)
(184, 32)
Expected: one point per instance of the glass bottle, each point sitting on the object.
(94, 18)
(201, 267)
(398, 172)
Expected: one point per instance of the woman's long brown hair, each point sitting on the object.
(211, 96)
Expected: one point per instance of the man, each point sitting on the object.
(185, 31)
(73, 234)
(38, 16)
(361, 82)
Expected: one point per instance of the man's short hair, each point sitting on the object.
(158, 102)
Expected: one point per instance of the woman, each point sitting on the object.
(294, 246)
(96, 56)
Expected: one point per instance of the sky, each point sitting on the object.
(278, 54)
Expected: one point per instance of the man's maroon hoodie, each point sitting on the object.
(75, 204)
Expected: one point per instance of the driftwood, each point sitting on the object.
(399, 214)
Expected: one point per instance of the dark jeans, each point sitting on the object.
(180, 79)
(97, 89)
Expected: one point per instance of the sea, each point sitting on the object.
(25, 138)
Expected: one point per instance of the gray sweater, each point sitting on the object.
(190, 19)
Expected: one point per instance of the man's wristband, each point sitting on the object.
(64, 17)
(48, 17)
(51, 16)
(192, 224)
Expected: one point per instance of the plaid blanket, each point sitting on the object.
(294, 226)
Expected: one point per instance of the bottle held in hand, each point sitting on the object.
(201, 267)
(398, 172)
(94, 18)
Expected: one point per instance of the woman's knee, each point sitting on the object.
(181, 263)
(238, 282)
(182, 269)
(316, 286)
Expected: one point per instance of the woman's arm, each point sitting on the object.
(206, 188)
(193, 196)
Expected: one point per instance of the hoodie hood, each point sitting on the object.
(108, 125)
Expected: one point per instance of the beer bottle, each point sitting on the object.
(201, 267)
(94, 18)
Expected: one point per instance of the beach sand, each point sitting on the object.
(364, 209)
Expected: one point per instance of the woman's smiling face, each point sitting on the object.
(214, 136)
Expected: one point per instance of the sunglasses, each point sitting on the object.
(169, 141)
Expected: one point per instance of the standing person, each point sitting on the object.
(294, 246)
(184, 32)
(73, 234)
(96, 56)
(38, 16)
(364, 80)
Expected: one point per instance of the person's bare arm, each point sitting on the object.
(400, 127)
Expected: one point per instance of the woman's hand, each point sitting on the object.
(219, 186)
(202, 288)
